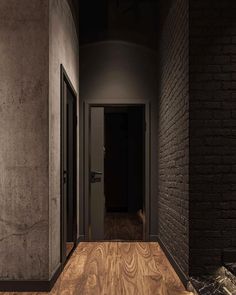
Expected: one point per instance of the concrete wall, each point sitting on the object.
(212, 133)
(173, 133)
(24, 140)
(63, 49)
(36, 37)
(120, 70)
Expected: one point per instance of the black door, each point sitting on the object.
(69, 167)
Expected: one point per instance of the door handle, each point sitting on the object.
(96, 172)
(93, 177)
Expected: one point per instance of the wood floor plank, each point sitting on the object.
(128, 268)
(123, 226)
(117, 268)
(172, 281)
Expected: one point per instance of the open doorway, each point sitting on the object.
(124, 173)
(69, 166)
(117, 162)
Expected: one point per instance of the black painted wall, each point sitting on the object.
(197, 133)
(173, 135)
(212, 133)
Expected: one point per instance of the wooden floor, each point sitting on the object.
(117, 268)
(123, 226)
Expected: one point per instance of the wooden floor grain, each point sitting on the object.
(123, 226)
(117, 268)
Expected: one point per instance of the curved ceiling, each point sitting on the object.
(130, 20)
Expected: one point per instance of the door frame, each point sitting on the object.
(86, 147)
(65, 79)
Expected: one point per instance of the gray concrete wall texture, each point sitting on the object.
(120, 70)
(63, 49)
(36, 37)
(24, 223)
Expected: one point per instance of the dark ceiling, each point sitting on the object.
(130, 20)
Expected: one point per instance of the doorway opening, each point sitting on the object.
(124, 173)
(69, 166)
(117, 162)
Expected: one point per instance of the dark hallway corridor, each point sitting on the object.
(118, 147)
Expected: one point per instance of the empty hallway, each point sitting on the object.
(118, 147)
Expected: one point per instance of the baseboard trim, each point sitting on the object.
(153, 238)
(184, 279)
(30, 286)
(80, 239)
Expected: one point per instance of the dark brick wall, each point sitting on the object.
(173, 147)
(212, 132)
